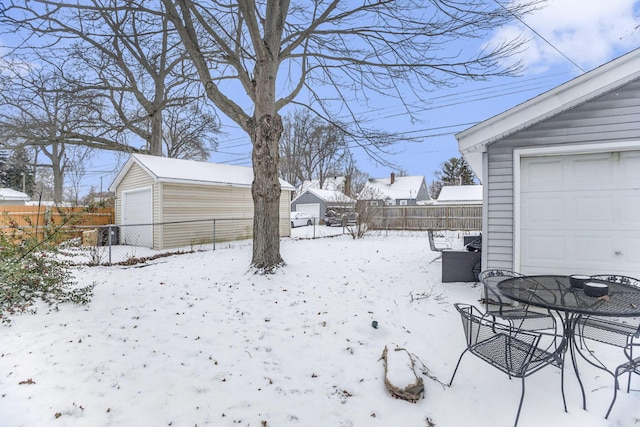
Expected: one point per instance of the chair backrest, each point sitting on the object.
(490, 280)
(616, 278)
(499, 273)
(507, 348)
(432, 243)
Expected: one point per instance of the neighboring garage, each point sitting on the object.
(316, 202)
(561, 176)
(167, 203)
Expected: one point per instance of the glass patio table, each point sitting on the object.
(556, 293)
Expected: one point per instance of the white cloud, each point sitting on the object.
(589, 32)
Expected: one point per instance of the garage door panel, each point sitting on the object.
(593, 248)
(543, 173)
(628, 207)
(542, 247)
(590, 215)
(629, 249)
(628, 168)
(582, 174)
(543, 211)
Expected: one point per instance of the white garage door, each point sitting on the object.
(312, 209)
(137, 213)
(580, 214)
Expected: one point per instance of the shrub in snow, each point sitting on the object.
(31, 271)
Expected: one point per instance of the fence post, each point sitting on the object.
(109, 240)
(214, 234)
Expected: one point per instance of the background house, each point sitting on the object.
(154, 190)
(460, 194)
(332, 183)
(316, 202)
(561, 174)
(9, 197)
(396, 190)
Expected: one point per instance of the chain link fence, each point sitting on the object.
(124, 243)
(134, 243)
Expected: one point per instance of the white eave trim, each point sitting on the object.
(594, 83)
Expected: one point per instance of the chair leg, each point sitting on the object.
(615, 394)
(457, 365)
(520, 405)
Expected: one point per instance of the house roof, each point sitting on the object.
(403, 187)
(164, 169)
(9, 195)
(460, 194)
(472, 142)
(328, 196)
(330, 183)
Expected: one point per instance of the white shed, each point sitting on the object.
(163, 202)
(10, 197)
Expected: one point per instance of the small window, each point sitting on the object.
(403, 203)
(374, 203)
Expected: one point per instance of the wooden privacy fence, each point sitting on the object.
(70, 220)
(465, 217)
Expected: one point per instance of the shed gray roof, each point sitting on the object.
(614, 74)
(164, 169)
(328, 196)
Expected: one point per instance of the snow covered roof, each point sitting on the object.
(9, 195)
(472, 142)
(331, 183)
(403, 187)
(460, 194)
(164, 169)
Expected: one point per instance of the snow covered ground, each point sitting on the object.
(196, 339)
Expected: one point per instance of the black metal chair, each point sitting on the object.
(434, 248)
(631, 366)
(621, 332)
(517, 315)
(514, 351)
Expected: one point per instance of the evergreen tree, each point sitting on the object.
(16, 172)
(3, 166)
(455, 171)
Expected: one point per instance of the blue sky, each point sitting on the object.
(567, 38)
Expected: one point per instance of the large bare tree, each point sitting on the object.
(255, 57)
(328, 52)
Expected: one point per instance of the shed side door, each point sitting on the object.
(579, 214)
(137, 215)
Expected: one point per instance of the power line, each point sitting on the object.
(541, 36)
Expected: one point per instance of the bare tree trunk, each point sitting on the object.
(266, 193)
(155, 144)
(58, 180)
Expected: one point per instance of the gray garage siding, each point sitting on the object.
(611, 117)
